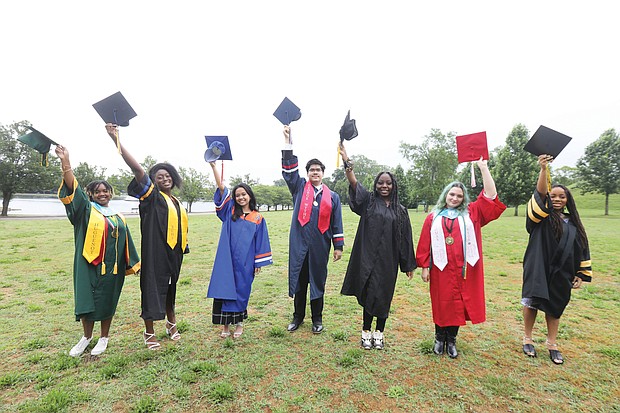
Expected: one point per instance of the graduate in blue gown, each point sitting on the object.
(241, 253)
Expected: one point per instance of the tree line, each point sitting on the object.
(430, 166)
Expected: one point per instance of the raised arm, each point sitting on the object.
(218, 177)
(65, 164)
(487, 180)
(348, 167)
(134, 165)
(541, 184)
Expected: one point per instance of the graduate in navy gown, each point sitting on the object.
(241, 253)
(315, 226)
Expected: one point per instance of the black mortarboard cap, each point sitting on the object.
(37, 141)
(115, 109)
(547, 141)
(348, 130)
(218, 148)
(287, 112)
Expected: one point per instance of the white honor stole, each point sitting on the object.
(438, 242)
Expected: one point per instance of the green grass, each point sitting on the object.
(271, 370)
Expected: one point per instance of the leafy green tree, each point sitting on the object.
(565, 175)
(246, 179)
(433, 165)
(148, 163)
(280, 182)
(281, 196)
(365, 171)
(85, 173)
(120, 181)
(264, 195)
(405, 187)
(515, 170)
(599, 167)
(196, 187)
(20, 166)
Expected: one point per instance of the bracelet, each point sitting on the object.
(64, 170)
(348, 165)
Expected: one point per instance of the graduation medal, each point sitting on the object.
(315, 203)
(449, 240)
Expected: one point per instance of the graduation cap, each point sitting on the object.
(287, 112)
(115, 109)
(471, 147)
(546, 141)
(37, 141)
(348, 130)
(218, 148)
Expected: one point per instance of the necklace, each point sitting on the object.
(449, 238)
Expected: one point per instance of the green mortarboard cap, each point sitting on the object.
(39, 142)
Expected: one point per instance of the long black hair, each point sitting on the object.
(238, 210)
(92, 187)
(558, 224)
(176, 178)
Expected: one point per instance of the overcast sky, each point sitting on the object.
(196, 68)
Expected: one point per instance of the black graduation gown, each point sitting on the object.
(549, 265)
(161, 265)
(382, 243)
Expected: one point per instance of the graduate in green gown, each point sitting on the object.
(104, 253)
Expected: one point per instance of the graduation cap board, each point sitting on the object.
(348, 131)
(470, 148)
(546, 141)
(37, 141)
(218, 148)
(287, 112)
(115, 109)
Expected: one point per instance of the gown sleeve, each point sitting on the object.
(262, 254)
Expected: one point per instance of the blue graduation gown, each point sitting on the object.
(244, 245)
(308, 240)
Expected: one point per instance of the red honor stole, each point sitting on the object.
(325, 209)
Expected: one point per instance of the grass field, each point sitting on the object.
(271, 370)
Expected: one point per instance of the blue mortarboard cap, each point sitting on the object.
(37, 141)
(546, 141)
(348, 130)
(287, 112)
(115, 109)
(218, 148)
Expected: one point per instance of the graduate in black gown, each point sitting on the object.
(164, 226)
(383, 243)
(557, 259)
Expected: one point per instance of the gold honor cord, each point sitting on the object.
(118, 141)
(548, 180)
(338, 156)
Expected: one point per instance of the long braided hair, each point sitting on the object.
(558, 224)
(395, 205)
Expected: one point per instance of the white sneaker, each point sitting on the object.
(80, 347)
(102, 344)
(377, 338)
(366, 341)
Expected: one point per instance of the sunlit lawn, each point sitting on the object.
(271, 370)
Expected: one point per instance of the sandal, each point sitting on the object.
(554, 353)
(528, 347)
(176, 336)
(238, 330)
(151, 345)
(225, 333)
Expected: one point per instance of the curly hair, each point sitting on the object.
(92, 187)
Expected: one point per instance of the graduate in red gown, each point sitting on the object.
(450, 255)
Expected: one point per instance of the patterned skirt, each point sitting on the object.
(226, 317)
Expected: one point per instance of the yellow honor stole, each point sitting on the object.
(94, 241)
(173, 223)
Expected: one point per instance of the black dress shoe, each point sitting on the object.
(440, 343)
(317, 328)
(294, 325)
(451, 347)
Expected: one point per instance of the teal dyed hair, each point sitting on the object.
(441, 202)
